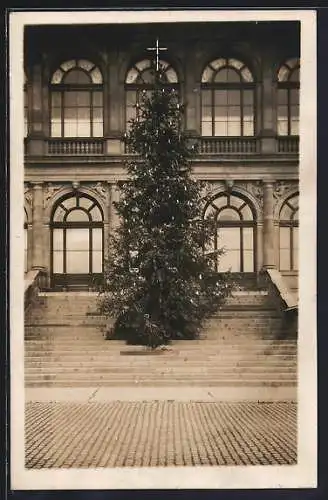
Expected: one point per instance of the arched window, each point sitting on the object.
(25, 241)
(288, 98)
(77, 236)
(25, 107)
(227, 99)
(235, 222)
(76, 93)
(140, 78)
(288, 235)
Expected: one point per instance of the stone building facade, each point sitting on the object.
(239, 83)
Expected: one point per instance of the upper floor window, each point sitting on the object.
(227, 99)
(140, 78)
(288, 98)
(76, 94)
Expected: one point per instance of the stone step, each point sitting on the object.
(143, 377)
(176, 371)
(100, 358)
(164, 383)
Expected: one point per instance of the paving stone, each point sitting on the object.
(159, 433)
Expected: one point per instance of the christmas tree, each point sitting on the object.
(159, 284)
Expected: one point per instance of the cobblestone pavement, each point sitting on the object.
(159, 433)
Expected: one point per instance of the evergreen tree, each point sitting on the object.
(158, 283)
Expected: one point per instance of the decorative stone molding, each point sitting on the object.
(281, 188)
(101, 188)
(210, 189)
(28, 195)
(254, 188)
(49, 191)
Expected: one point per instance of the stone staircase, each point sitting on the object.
(244, 345)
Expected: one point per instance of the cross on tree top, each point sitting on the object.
(157, 48)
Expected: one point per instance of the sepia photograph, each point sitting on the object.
(163, 249)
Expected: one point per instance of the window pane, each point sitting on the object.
(233, 113)
(206, 128)
(248, 264)
(234, 97)
(282, 97)
(58, 239)
(96, 76)
(67, 65)
(69, 203)
(282, 127)
(97, 239)
(229, 214)
(284, 260)
(248, 128)
(207, 114)
(206, 98)
(219, 202)
(221, 97)
(83, 99)
(55, 129)
(77, 262)
(70, 99)
(97, 99)
(57, 76)
(284, 241)
(230, 261)
(85, 203)
(294, 96)
(171, 76)
(282, 112)
(207, 75)
(70, 129)
(83, 129)
(221, 129)
(285, 212)
(294, 127)
(77, 215)
(234, 128)
(248, 238)
(77, 239)
(59, 214)
(294, 110)
(248, 113)
(247, 213)
(56, 114)
(55, 99)
(77, 77)
(57, 261)
(96, 214)
(98, 129)
(229, 237)
(131, 97)
(248, 98)
(221, 112)
(83, 114)
(235, 201)
(295, 238)
(96, 262)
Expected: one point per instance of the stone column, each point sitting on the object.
(37, 227)
(268, 226)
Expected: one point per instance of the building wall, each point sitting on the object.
(266, 175)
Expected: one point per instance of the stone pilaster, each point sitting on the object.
(113, 217)
(267, 107)
(37, 227)
(268, 226)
